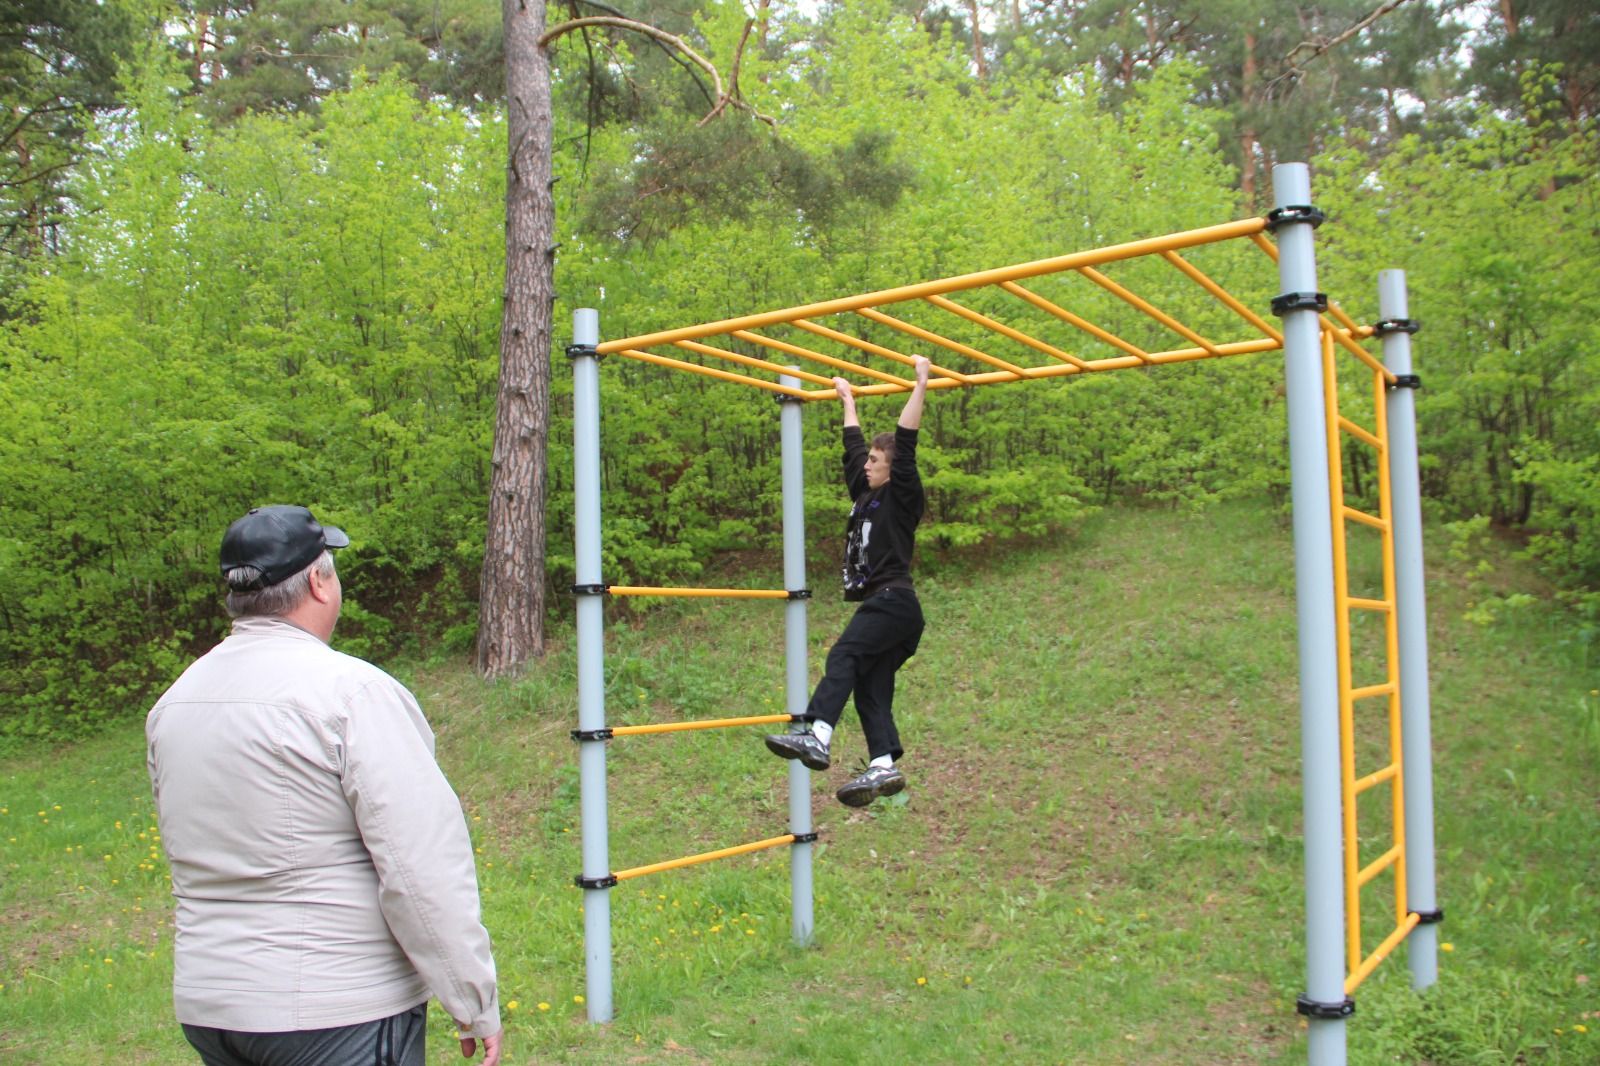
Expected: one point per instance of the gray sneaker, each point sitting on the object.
(875, 781)
(803, 746)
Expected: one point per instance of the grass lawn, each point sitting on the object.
(1097, 861)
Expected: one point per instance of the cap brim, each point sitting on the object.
(334, 537)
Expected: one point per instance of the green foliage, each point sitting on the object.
(283, 282)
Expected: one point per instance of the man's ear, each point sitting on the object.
(321, 587)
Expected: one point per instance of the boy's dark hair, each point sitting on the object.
(884, 442)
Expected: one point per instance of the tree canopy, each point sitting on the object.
(275, 264)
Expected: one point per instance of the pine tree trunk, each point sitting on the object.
(1247, 136)
(512, 600)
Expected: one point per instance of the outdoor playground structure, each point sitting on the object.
(1315, 333)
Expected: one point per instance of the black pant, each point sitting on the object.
(881, 636)
(396, 1041)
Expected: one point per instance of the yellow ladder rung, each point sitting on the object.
(1380, 864)
(1377, 778)
(1370, 605)
(1365, 519)
(708, 723)
(1371, 690)
(1360, 434)
(1380, 953)
(690, 860)
(736, 594)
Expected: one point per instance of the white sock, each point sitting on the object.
(822, 731)
(885, 761)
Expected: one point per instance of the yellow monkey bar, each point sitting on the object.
(964, 362)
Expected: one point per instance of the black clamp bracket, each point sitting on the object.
(577, 351)
(580, 735)
(784, 397)
(1283, 216)
(799, 594)
(1406, 381)
(590, 590)
(804, 838)
(1397, 325)
(1334, 1011)
(1299, 301)
(1432, 917)
(608, 881)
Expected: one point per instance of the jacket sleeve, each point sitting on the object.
(855, 461)
(905, 480)
(412, 824)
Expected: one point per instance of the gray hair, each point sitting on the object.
(274, 600)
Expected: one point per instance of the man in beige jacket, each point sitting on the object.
(321, 864)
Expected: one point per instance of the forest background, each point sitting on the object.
(253, 251)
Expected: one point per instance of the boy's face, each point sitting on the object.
(877, 469)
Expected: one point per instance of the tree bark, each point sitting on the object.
(1247, 135)
(512, 592)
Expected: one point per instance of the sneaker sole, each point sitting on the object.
(863, 797)
(785, 753)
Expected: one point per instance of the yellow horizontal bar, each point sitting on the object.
(1364, 518)
(1130, 250)
(711, 372)
(1148, 308)
(1181, 355)
(1371, 690)
(818, 357)
(732, 594)
(873, 349)
(1005, 330)
(753, 363)
(1223, 294)
(1369, 605)
(1377, 778)
(1071, 319)
(1360, 434)
(707, 723)
(725, 853)
(1382, 951)
(934, 338)
(1380, 864)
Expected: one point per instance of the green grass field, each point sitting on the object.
(1098, 859)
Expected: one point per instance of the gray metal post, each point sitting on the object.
(1313, 567)
(591, 663)
(1411, 617)
(795, 686)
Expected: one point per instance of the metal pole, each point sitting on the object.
(591, 661)
(1411, 618)
(794, 657)
(1324, 1002)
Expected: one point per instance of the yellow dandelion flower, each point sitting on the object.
(1580, 1028)
(577, 999)
(513, 1005)
(106, 961)
(749, 932)
(107, 858)
(1447, 946)
(544, 1006)
(57, 807)
(118, 824)
(922, 980)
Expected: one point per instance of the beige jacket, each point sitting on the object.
(320, 861)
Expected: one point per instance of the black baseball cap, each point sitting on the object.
(279, 540)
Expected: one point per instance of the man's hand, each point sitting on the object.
(491, 1047)
(847, 396)
(911, 414)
